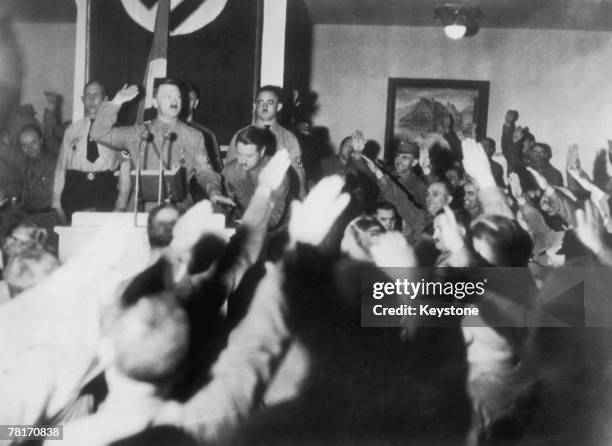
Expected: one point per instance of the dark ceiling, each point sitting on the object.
(43, 10)
(593, 15)
(539, 14)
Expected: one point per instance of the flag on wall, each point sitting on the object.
(157, 63)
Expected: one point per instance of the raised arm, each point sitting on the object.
(477, 166)
(102, 130)
(246, 366)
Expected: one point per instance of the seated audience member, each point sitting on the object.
(497, 170)
(388, 216)
(27, 268)
(540, 161)
(241, 175)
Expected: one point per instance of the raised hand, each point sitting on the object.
(542, 182)
(451, 234)
(53, 100)
(126, 94)
(218, 198)
(312, 219)
(192, 225)
(515, 185)
(392, 250)
(590, 227)
(573, 158)
(271, 176)
(476, 163)
(424, 160)
(358, 141)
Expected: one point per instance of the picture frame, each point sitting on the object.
(415, 108)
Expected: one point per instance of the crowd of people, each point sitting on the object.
(258, 339)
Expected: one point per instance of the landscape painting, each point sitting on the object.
(419, 107)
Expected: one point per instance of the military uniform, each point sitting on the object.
(240, 186)
(82, 184)
(284, 138)
(186, 151)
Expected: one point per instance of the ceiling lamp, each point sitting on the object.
(458, 20)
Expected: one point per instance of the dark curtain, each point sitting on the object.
(219, 58)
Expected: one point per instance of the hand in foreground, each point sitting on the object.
(476, 163)
(272, 175)
(542, 182)
(515, 185)
(220, 199)
(424, 160)
(392, 250)
(590, 227)
(53, 100)
(312, 219)
(126, 94)
(192, 225)
(451, 234)
(359, 141)
(573, 158)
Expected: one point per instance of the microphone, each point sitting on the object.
(170, 136)
(146, 135)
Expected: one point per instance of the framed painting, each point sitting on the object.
(419, 107)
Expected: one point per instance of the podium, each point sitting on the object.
(86, 224)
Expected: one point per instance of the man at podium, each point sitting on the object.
(166, 136)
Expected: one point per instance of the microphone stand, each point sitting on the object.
(169, 138)
(145, 137)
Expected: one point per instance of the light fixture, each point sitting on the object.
(458, 20)
(455, 31)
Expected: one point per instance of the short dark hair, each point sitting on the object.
(547, 149)
(159, 81)
(510, 244)
(151, 338)
(262, 138)
(445, 183)
(159, 232)
(32, 128)
(489, 140)
(96, 82)
(190, 87)
(278, 91)
(387, 206)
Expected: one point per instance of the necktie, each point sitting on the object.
(92, 147)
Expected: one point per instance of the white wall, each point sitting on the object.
(560, 81)
(48, 58)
